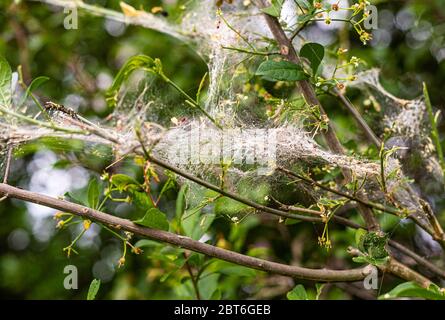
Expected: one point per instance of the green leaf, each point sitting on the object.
(360, 259)
(201, 85)
(142, 200)
(154, 218)
(168, 185)
(231, 269)
(195, 224)
(413, 290)
(76, 198)
(94, 288)
(147, 243)
(36, 83)
(297, 293)
(93, 194)
(304, 18)
(305, 4)
(62, 164)
(289, 221)
(359, 234)
(5, 83)
(139, 62)
(205, 222)
(180, 201)
(370, 260)
(122, 181)
(217, 295)
(314, 52)
(281, 71)
(207, 285)
(274, 9)
(238, 271)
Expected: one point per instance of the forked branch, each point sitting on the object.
(324, 275)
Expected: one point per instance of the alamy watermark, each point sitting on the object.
(71, 20)
(70, 282)
(200, 145)
(371, 281)
(372, 20)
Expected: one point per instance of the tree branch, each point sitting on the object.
(420, 260)
(288, 52)
(281, 213)
(367, 203)
(324, 275)
(358, 118)
(398, 269)
(340, 220)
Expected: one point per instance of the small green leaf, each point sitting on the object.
(360, 259)
(238, 271)
(413, 290)
(208, 284)
(370, 260)
(359, 234)
(141, 62)
(76, 198)
(304, 18)
(154, 218)
(231, 269)
(297, 293)
(305, 4)
(5, 83)
(62, 164)
(94, 288)
(93, 194)
(168, 185)
(180, 201)
(314, 52)
(147, 243)
(217, 295)
(36, 83)
(378, 262)
(289, 221)
(142, 200)
(195, 224)
(274, 9)
(122, 181)
(205, 222)
(201, 85)
(281, 71)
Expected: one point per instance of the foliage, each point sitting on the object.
(410, 289)
(5, 83)
(94, 289)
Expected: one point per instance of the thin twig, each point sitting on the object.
(420, 260)
(8, 164)
(40, 123)
(398, 269)
(314, 213)
(341, 193)
(193, 278)
(358, 118)
(258, 53)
